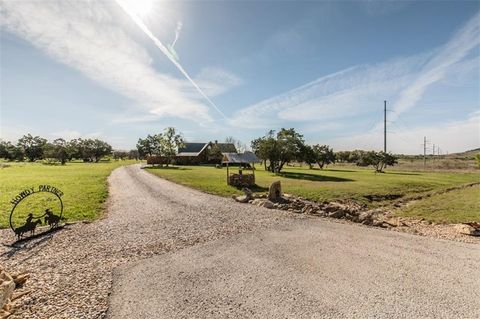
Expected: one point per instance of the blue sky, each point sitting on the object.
(86, 69)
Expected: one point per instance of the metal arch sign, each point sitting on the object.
(31, 222)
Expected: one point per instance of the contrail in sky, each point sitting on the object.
(177, 33)
(165, 51)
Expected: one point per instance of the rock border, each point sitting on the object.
(357, 213)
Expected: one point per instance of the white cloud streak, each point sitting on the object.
(159, 44)
(87, 36)
(216, 81)
(345, 93)
(460, 45)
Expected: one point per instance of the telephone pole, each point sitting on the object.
(385, 126)
(424, 152)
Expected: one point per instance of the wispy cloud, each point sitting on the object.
(216, 81)
(87, 36)
(361, 89)
(460, 45)
(341, 94)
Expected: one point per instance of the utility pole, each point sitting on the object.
(424, 152)
(433, 150)
(385, 126)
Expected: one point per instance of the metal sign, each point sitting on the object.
(24, 220)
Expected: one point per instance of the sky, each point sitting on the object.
(119, 70)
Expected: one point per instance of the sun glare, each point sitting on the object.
(140, 8)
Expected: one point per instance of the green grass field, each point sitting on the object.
(352, 183)
(453, 207)
(84, 186)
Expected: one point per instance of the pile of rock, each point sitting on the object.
(8, 294)
(349, 211)
(471, 229)
(354, 212)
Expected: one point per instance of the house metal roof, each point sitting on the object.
(194, 149)
(247, 157)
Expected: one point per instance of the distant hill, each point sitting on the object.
(466, 154)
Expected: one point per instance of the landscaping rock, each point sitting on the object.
(337, 214)
(275, 191)
(365, 217)
(7, 286)
(467, 230)
(263, 203)
(20, 279)
(244, 198)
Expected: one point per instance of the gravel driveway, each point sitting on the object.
(236, 256)
(309, 269)
(72, 269)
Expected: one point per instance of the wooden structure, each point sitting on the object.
(245, 162)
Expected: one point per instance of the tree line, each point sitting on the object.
(287, 145)
(33, 148)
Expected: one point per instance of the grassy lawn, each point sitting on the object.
(334, 183)
(454, 207)
(84, 186)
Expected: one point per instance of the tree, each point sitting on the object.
(342, 156)
(170, 142)
(3, 149)
(90, 150)
(11, 152)
(266, 149)
(308, 156)
(355, 156)
(285, 147)
(74, 149)
(290, 145)
(379, 160)
(120, 155)
(215, 154)
(241, 147)
(324, 155)
(98, 149)
(148, 146)
(58, 150)
(32, 146)
(133, 154)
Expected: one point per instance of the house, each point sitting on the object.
(200, 153)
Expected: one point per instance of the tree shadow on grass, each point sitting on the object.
(333, 170)
(314, 177)
(169, 168)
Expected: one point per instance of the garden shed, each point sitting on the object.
(245, 162)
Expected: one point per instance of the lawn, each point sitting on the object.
(335, 183)
(453, 207)
(84, 186)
